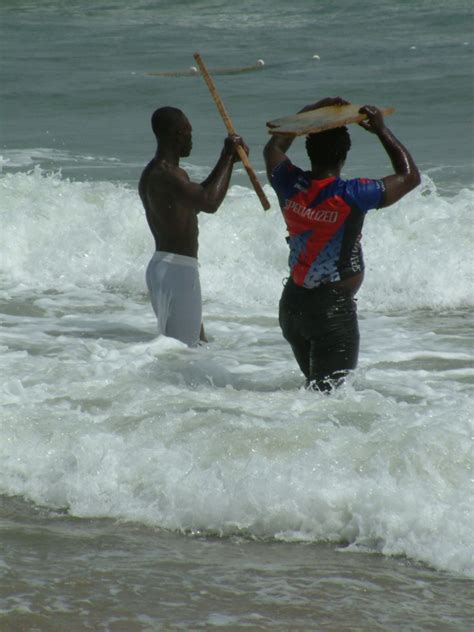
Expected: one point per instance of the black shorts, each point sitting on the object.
(321, 327)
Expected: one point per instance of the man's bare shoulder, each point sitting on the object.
(166, 173)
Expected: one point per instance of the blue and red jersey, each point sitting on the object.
(324, 220)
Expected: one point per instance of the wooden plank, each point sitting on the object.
(319, 120)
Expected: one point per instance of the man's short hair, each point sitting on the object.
(166, 119)
(328, 147)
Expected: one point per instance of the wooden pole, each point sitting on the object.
(230, 128)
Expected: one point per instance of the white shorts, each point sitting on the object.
(175, 293)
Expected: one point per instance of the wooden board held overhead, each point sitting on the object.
(319, 120)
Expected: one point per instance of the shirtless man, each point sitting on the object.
(172, 202)
(324, 215)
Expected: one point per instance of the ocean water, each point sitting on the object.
(146, 486)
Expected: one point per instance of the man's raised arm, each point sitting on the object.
(406, 176)
(217, 182)
(208, 195)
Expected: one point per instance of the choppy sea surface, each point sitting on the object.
(146, 486)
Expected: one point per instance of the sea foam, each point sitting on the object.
(57, 233)
(103, 419)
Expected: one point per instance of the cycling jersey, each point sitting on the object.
(324, 220)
